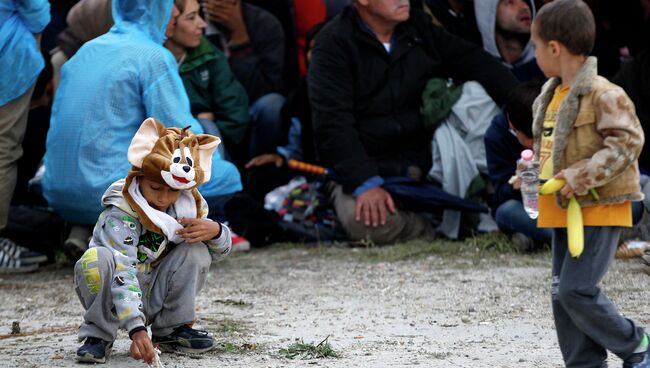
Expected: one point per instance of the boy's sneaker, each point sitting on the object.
(522, 243)
(10, 265)
(22, 254)
(638, 360)
(239, 243)
(184, 339)
(94, 350)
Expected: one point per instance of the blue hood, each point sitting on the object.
(148, 16)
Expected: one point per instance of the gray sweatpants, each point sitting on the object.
(401, 226)
(587, 322)
(169, 292)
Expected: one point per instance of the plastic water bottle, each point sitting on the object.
(528, 171)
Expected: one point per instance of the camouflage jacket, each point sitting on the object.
(597, 138)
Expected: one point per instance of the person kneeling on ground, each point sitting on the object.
(153, 233)
(508, 135)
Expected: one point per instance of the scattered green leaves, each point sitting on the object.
(231, 347)
(302, 351)
(237, 303)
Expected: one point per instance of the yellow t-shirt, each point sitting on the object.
(550, 214)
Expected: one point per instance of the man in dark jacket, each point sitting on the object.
(369, 68)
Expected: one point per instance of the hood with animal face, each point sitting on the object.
(170, 156)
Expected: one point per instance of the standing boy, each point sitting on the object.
(585, 131)
(151, 249)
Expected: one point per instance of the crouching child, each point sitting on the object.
(151, 249)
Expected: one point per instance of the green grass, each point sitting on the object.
(484, 249)
(233, 348)
(477, 246)
(303, 351)
(228, 326)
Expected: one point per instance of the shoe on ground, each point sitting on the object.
(632, 249)
(77, 242)
(522, 243)
(94, 350)
(10, 265)
(19, 253)
(638, 360)
(240, 244)
(186, 340)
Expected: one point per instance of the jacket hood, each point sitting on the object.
(148, 16)
(113, 195)
(486, 19)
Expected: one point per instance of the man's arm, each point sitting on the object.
(465, 61)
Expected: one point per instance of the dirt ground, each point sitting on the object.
(388, 307)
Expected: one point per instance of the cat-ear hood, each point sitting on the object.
(170, 156)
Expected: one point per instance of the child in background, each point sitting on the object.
(585, 131)
(151, 249)
(508, 135)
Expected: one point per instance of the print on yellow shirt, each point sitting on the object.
(546, 146)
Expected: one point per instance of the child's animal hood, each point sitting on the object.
(171, 156)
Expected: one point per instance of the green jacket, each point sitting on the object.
(211, 86)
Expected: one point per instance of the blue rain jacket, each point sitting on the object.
(20, 59)
(107, 89)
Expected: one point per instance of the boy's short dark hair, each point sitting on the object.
(519, 106)
(569, 22)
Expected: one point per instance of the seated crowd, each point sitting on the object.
(418, 112)
(158, 136)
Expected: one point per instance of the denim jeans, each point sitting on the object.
(512, 218)
(266, 124)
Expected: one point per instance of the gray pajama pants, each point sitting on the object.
(587, 322)
(169, 292)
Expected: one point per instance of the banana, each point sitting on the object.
(551, 186)
(575, 228)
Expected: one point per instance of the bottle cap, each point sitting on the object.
(527, 155)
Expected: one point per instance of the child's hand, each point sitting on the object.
(515, 181)
(142, 347)
(567, 190)
(198, 230)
